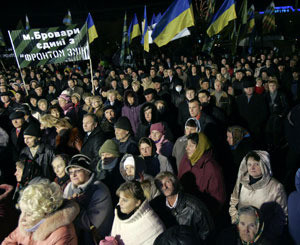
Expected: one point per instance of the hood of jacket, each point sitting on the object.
(297, 180)
(265, 166)
(139, 165)
(61, 217)
(154, 113)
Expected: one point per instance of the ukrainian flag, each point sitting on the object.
(221, 19)
(134, 29)
(177, 17)
(145, 38)
(91, 28)
(251, 19)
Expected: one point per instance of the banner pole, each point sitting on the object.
(91, 71)
(12, 44)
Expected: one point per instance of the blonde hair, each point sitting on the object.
(111, 91)
(41, 199)
(48, 120)
(63, 123)
(273, 80)
(42, 101)
(96, 97)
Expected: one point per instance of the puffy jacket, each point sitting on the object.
(266, 194)
(57, 229)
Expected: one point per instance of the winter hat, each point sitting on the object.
(178, 82)
(33, 130)
(158, 126)
(16, 115)
(108, 107)
(111, 147)
(76, 95)
(157, 79)
(65, 97)
(80, 161)
(129, 161)
(123, 123)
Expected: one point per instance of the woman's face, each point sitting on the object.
(254, 169)
(62, 102)
(96, 103)
(111, 97)
(18, 173)
(26, 219)
(130, 170)
(145, 150)
(87, 101)
(43, 106)
(190, 148)
(127, 204)
(272, 87)
(247, 227)
(130, 100)
(59, 167)
(156, 135)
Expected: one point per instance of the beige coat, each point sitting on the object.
(266, 190)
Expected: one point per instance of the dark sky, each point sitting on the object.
(51, 12)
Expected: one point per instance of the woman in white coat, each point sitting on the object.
(256, 187)
(135, 222)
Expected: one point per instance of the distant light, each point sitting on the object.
(282, 9)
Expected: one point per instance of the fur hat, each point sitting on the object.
(33, 130)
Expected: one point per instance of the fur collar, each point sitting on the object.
(62, 217)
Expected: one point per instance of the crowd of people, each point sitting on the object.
(185, 150)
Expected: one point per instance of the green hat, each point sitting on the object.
(111, 147)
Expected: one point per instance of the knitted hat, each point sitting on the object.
(129, 161)
(65, 97)
(158, 126)
(123, 123)
(111, 147)
(33, 130)
(76, 95)
(16, 115)
(80, 161)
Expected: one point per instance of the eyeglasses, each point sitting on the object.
(75, 172)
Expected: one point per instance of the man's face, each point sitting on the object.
(205, 85)
(106, 155)
(170, 72)
(167, 187)
(149, 97)
(152, 73)
(71, 84)
(109, 114)
(203, 98)
(194, 109)
(18, 173)
(229, 138)
(249, 91)
(218, 86)
(190, 94)
(17, 123)
(121, 134)
(239, 75)
(78, 176)
(145, 150)
(59, 167)
(247, 227)
(30, 141)
(130, 100)
(88, 124)
(272, 87)
(38, 91)
(190, 130)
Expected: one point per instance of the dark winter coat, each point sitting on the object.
(189, 211)
(91, 145)
(17, 143)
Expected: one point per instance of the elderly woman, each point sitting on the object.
(135, 222)
(59, 164)
(255, 186)
(45, 218)
(249, 229)
(97, 107)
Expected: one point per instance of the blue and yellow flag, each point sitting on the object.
(268, 21)
(177, 17)
(153, 20)
(251, 19)
(91, 28)
(68, 18)
(134, 29)
(221, 19)
(158, 17)
(145, 38)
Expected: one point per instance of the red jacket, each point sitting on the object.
(208, 175)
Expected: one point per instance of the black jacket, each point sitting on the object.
(188, 211)
(43, 158)
(92, 144)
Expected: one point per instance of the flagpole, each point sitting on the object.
(91, 71)
(3, 65)
(18, 63)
